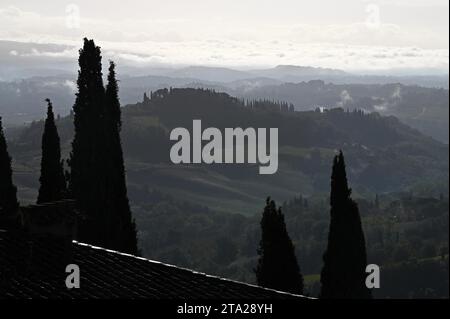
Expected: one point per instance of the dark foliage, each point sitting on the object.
(8, 191)
(87, 178)
(343, 274)
(52, 180)
(97, 178)
(277, 266)
(126, 226)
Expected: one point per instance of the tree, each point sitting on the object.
(112, 97)
(53, 182)
(146, 99)
(87, 172)
(377, 201)
(87, 112)
(8, 191)
(277, 265)
(343, 274)
(126, 224)
(97, 178)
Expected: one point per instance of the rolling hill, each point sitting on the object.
(383, 154)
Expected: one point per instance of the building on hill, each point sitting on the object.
(33, 264)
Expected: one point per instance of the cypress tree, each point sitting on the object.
(277, 265)
(8, 191)
(88, 174)
(126, 228)
(97, 179)
(112, 97)
(53, 183)
(343, 274)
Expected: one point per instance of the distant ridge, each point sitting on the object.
(218, 74)
(281, 71)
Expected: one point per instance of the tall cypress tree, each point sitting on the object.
(343, 274)
(112, 97)
(97, 179)
(125, 227)
(88, 173)
(277, 266)
(53, 183)
(8, 191)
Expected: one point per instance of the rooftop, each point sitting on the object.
(108, 274)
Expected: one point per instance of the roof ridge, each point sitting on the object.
(190, 270)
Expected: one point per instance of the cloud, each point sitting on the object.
(381, 107)
(71, 85)
(361, 33)
(233, 53)
(68, 53)
(351, 46)
(397, 94)
(345, 99)
(411, 3)
(393, 101)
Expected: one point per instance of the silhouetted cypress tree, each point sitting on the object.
(88, 173)
(277, 265)
(8, 192)
(343, 274)
(125, 223)
(53, 182)
(112, 97)
(97, 179)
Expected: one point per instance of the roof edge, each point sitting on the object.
(190, 270)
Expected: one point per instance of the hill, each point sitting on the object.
(383, 154)
(425, 109)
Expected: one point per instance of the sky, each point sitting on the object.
(353, 35)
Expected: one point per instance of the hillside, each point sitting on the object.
(425, 109)
(383, 154)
